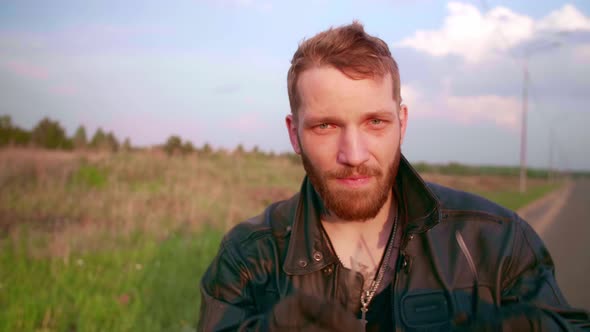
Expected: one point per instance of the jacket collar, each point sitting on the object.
(309, 247)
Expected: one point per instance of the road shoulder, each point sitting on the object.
(551, 203)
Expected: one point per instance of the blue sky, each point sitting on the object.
(215, 71)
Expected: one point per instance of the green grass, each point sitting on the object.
(143, 286)
(514, 199)
(89, 176)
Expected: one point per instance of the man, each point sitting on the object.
(366, 244)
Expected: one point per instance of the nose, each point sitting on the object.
(352, 150)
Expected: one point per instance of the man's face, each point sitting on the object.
(348, 133)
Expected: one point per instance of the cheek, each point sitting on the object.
(384, 147)
(320, 150)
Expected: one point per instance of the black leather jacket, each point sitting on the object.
(268, 257)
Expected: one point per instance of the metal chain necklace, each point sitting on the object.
(367, 296)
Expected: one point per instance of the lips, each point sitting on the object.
(355, 181)
(354, 178)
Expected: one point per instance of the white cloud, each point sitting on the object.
(568, 18)
(409, 94)
(504, 111)
(474, 36)
(419, 104)
(465, 110)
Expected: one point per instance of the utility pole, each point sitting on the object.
(523, 128)
(525, 106)
(551, 173)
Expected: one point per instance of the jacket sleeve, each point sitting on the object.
(226, 299)
(531, 298)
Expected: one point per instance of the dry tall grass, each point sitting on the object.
(64, 202)
(87, 201)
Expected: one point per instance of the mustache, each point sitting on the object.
(346, 172)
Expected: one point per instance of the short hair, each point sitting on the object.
(347, 48)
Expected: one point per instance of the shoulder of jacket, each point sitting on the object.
(273, 222)
(460, 202)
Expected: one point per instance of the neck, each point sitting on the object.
(360, 245)
(372, 229)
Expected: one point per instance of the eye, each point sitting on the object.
(377, 124)
(323, 128)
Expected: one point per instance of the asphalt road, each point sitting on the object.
(563, 222)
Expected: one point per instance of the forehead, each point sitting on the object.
(325, 89)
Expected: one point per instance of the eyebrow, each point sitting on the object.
(320, 119)
(382, 113)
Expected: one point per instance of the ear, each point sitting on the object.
(292, 129)
(403, 120)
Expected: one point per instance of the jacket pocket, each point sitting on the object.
(426, 309)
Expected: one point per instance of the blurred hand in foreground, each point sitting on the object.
(302, 312)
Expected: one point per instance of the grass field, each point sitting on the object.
(92, 242)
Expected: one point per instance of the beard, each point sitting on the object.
(353, 204)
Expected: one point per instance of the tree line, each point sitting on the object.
(49, 134)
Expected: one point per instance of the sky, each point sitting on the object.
(215, 71)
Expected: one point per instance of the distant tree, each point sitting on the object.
(80, 140)
(423, 167)
(20, 137)
(173, 145)
(188, 147)
(49, 134)
(127, 145)
(293, 157)
(98, 141)
(240, 151)
(5, 130)
(5, 122)
(206, 149)
(10, 134)
(112, 143)
(455, 168)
